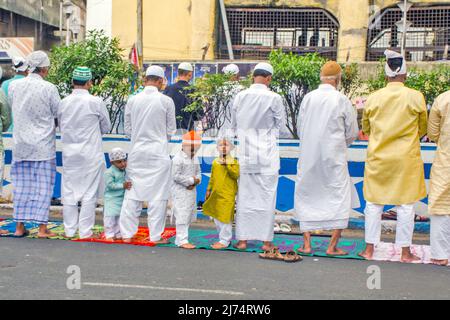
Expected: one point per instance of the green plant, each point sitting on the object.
(211, 98)
(294, 77)
(431, 83)
(351, 80)
(112, 74)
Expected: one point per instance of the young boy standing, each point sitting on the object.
(187, 176)
(221, 194)
(116, 185)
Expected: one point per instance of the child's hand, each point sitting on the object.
(208, 194)
(127, 185)
(222, 161)
(191, 188)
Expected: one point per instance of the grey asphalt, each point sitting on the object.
(37, 269)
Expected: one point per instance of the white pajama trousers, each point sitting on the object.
(129, 218)
(440, 237)
(182, 236)
(405, 224)
(82, 221)
(112, 227)
(225, 232)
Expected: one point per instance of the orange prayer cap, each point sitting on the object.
(192, 138)
(331, 69)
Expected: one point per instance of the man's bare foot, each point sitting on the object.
(441, 263)
(127, 240)
(110, 239)
(3, 232)
(188, 246)
(241, 245)
(162, 241)
(118, 238)
(46, 235)
(368, 252)
(20, 230)
(92, 237)
(218, 246)
(267, 246)
(409, 258)
(305, 250)
(336, 252)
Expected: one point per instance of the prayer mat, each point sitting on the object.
(203, 239)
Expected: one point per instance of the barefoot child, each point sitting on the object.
(221, 194)
(116, 185)
(187, 176)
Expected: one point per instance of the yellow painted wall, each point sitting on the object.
(173, 29)
(178, 29)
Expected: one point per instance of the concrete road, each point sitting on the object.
(37, 269)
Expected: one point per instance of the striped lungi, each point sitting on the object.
(33, 183)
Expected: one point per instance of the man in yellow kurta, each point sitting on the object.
(439, 199)
(221, 193)
(395, 118)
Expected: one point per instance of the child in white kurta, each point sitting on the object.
(116, 184)
(186, 176)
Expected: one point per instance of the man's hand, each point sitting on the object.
(191, 188)
(208, 194)
(196, 181)
(127, 185)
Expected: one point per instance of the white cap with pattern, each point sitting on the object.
(117, 154)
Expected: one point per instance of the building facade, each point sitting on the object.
(39, 20)
(346, 30)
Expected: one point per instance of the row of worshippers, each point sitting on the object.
(395, 118)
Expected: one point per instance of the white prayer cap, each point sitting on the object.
(117, 154)
(400, 70)
(186, 66)
(231, 69)
(38, 59)
(19, 64)
(155, 71)
(264, 66)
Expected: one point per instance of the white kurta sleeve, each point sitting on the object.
(54, 100)
(171, 120)
(301, 116)
(105, 122)
(127, 122)
(278, 113)
(351, 122)
(179, 176)
(233, 115)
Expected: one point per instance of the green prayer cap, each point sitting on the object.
(82, 74)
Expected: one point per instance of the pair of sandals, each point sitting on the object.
(282, 228)
(275, 255)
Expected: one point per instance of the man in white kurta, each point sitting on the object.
(150, 122)
(325, 194)
(257, 117)
(83, 120)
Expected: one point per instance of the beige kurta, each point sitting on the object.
(439, 131)
(395, 118)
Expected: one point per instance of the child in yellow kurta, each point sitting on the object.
(221, 194)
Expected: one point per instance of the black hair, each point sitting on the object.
(261, 73)
(79, 83)
(153, 78)
(183, 72)
(395, 63)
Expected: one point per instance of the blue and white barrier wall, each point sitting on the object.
(289, 151)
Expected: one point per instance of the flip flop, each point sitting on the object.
(273, 254)
(276, 228)
(292, 257)
(285, 228)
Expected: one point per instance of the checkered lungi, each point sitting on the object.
(33, 183)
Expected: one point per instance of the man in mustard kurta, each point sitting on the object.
(439, 200)
(395, 118)
(221, 193)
